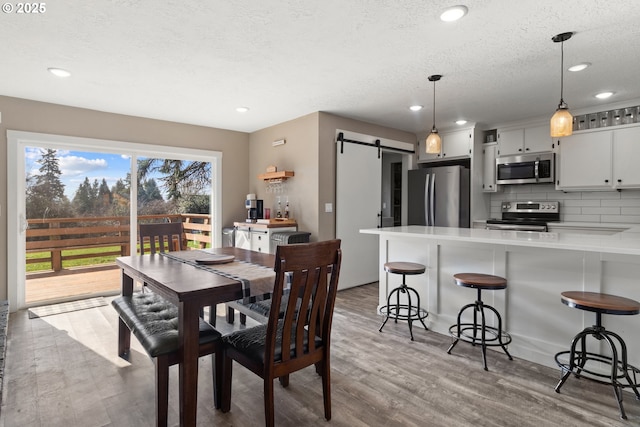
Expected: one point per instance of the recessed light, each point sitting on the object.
(416, 107)
(604, 95)
(579, 67)
(242, 109)
(461, 122)
(59, 72)
(453, 13)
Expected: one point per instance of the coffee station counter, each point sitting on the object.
(538, 266)
(256, 236)
(268, 223)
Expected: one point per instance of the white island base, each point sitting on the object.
(537, 266)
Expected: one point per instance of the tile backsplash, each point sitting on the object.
(580, 206)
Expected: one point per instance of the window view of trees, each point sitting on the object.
(164, 187)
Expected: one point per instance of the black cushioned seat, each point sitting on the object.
(154, 322)
(251, 341)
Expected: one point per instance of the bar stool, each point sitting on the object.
(476, 333)
(622, 375)
(409, 311)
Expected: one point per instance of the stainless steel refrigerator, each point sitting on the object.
(439, 196)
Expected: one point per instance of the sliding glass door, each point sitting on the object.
(77, 209)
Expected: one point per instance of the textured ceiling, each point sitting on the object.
(196, 61)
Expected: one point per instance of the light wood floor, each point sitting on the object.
(63, 371)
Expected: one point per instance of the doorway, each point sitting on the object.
(118, 205)
(363, 171)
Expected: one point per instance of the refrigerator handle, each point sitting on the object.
(427, 214)
(432, 200)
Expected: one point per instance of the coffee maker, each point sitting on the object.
(254, 208)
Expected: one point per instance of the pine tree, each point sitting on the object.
(45, 190)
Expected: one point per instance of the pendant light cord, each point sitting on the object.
(562, 72)
(434, 106)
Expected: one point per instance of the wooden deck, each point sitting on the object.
(68, 285)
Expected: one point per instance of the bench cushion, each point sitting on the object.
(154, 322)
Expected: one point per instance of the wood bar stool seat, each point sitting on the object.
(478, 332)
(583, 363)
(409, 311)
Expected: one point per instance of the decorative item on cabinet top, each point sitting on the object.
(616, 117)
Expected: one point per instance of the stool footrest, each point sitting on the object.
(404, 312)
(493, 337)
(583, 369)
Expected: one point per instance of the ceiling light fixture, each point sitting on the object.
(579, 67)
(242, 109)
(434, 142)
(453, 13)
(604, 95)
(416, 107)
(461, 122)
(59, 72)
(562, 121)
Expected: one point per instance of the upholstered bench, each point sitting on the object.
(154, 322)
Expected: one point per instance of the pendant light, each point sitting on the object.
(562, 120)
(434, 142)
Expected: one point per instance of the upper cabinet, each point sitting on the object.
(456, 144)
(599, 160)
(489, 152)
(535, 139)
(626, 152)
(584, 161)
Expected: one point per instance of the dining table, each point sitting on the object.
(177, 277)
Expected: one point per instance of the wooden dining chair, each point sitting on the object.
(166, 237)
(163, 237)
(304, 330)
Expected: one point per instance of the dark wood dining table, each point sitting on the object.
(190, 288)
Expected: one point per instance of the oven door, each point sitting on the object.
(526, 169)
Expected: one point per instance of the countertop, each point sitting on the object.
(279, 224)
(625, 242)
(576, 224)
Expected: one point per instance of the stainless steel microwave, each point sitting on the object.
(525, 169)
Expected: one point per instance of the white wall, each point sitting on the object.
(586, 206)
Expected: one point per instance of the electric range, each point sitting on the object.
(525, 216)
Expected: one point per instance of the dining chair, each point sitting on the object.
(304, 330)
(166, 237)
(163, 237)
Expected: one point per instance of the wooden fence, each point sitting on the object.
(56, 236)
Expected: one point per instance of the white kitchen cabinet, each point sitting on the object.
(257, 237)
(585, 161)
(511, 141)
(626, 152)
(534, 139)
(489, 152)
(260, 240)
(600, 160)
(455, 144)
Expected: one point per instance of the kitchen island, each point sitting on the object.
(538, 267)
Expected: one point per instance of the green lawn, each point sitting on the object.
(97, 260)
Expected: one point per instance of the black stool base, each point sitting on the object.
(404, 312)
(478, 332)
(579, 362)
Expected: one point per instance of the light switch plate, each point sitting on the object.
(328, 207)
